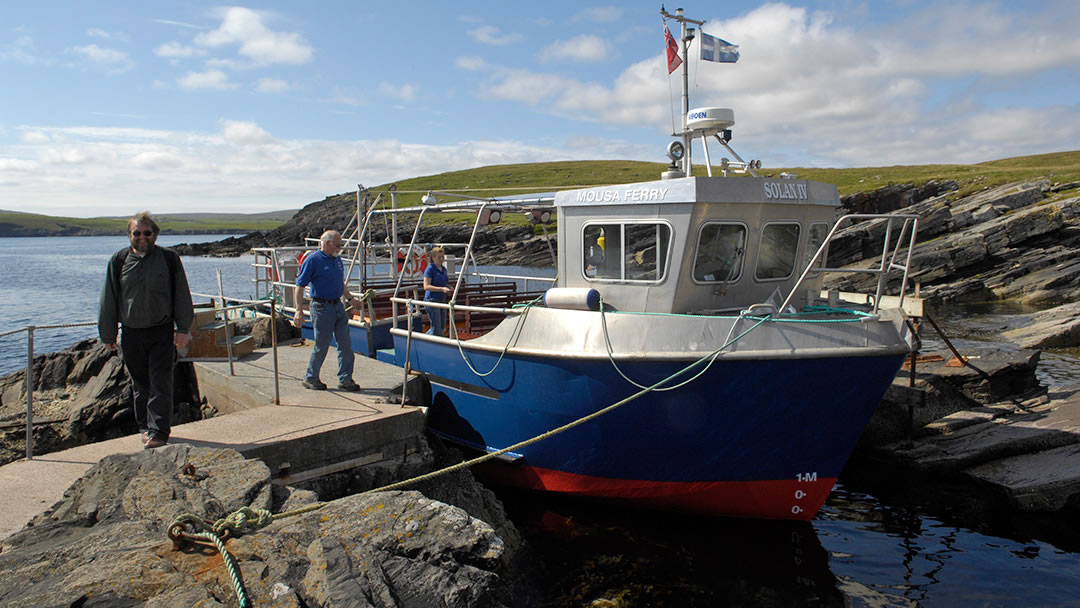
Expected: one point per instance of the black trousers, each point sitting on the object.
(149, 355)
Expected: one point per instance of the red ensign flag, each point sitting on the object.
(673, 60)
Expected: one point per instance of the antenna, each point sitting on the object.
(686, 36)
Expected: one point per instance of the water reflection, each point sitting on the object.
(597, 556)
(905, 544)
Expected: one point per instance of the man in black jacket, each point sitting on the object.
(146, 292)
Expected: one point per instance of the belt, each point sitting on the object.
(326, 300)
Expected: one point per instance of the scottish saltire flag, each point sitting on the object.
(718, 49)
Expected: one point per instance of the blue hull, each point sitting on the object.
(775, 428)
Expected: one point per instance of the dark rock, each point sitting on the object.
(1063, 187)
(893, 197)
(940, 390)
(89, 365)
(259, 329)
(107, 539)
(1054, 328)
(100, 399)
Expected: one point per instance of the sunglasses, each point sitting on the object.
(143, 233)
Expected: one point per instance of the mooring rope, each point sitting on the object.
(248, 519)
(505, 348)
(711, 357)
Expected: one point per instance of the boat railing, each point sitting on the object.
(908, 226)
(491, 276)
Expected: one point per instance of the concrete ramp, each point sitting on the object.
(310, 434)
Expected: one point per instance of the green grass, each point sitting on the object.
(13, 223)
(502, 180)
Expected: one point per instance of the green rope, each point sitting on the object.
(230, 565)
(505, 348)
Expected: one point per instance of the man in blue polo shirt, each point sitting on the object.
(324, 271)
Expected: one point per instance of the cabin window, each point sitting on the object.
(635, 251)
(814, 239)
(720, 248)
(776, 252)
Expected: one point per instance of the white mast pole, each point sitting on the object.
(678, 16)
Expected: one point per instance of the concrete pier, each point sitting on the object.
(310, 434)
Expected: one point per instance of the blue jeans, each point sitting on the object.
(330, 321)
(437, 320)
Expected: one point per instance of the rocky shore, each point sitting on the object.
(106, 542)
(497, 245)
(448, 543)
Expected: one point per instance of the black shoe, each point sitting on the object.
(315, 385)
(350, 386)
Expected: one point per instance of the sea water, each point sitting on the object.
(880, 540)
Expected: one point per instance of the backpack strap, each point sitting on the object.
(117, 266)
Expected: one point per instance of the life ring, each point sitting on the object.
(271, 272)
(411, 264)
(300, 257)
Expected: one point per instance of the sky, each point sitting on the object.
(107, 108)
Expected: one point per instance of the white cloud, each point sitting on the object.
(175, 50)
(585, 49)
(601, 14)
(403, 92)
(109, 60)
(245, 27)
(210, 79)
(473, 64)
(100, 33)
(245, 132)
(178, 24)
(34, 137)
(802, 74)
(18, 164)
(20, 51)
(272, 85)
(243, 166)
(341, 98)
(489, 34)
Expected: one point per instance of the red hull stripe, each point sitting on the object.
(775, 499)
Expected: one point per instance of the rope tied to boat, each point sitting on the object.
(248, 519)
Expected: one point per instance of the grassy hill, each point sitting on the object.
(504, 180)
(14, 223)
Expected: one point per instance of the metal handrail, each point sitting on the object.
(887, 264)
(513, 277)
(29, 379)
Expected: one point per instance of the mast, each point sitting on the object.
(687, 35)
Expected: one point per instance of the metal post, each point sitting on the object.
(30, 392)
(408, 350)
(225, 316)
(273, 341)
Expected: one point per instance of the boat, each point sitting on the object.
(684, 357)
